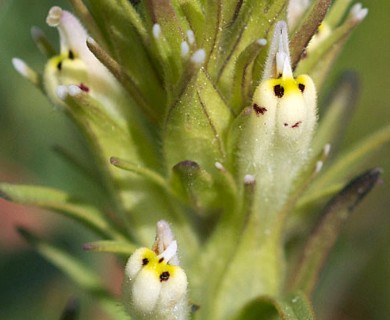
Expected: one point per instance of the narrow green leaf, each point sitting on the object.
(337, 12)
(254, 21)
(327, 229)
(167, 55)
(61, 202)
(128, 82)
(128, 42)
(81, 274)
(122, 248)
(240, 95)
(319, 60)
(193, 11)
(345, 165)
(213, 21)
(307, 28)
(340, 105)
(131, 14)
(148, 174)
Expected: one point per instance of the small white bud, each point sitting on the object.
(358, 13)
(199, 57)
(262, 42)
(24, 70)
(327, 149)
(74, 90)
(219, 166)
(190, 36)
(156, 30)
(319, 166)
(62, 92)
(155, 288)
(91, 40)
(249, 179)
(184, 49)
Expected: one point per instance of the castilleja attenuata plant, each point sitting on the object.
(202, 119)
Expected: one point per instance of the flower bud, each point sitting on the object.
(154, 287)
(76, 65)
(275, 138)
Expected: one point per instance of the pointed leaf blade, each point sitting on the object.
(327, 229)
(61, 202)
(81, 274)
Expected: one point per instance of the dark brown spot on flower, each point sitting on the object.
(83, 87)
(259, 110)
(301, 87)
(70, 55)
(279, 91)
(285, 124)
(59, 66)
(296, 125)
(145, 261)
(161, 260)
(164, 276)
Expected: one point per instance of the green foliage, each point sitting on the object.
(161, 95)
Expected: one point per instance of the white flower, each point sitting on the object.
(76, 65)
(278, 128)
(155, 286)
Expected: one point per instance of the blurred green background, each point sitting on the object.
(356, 282)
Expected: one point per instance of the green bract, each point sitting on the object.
(203, 114)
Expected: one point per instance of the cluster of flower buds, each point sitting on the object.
(155, 286)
